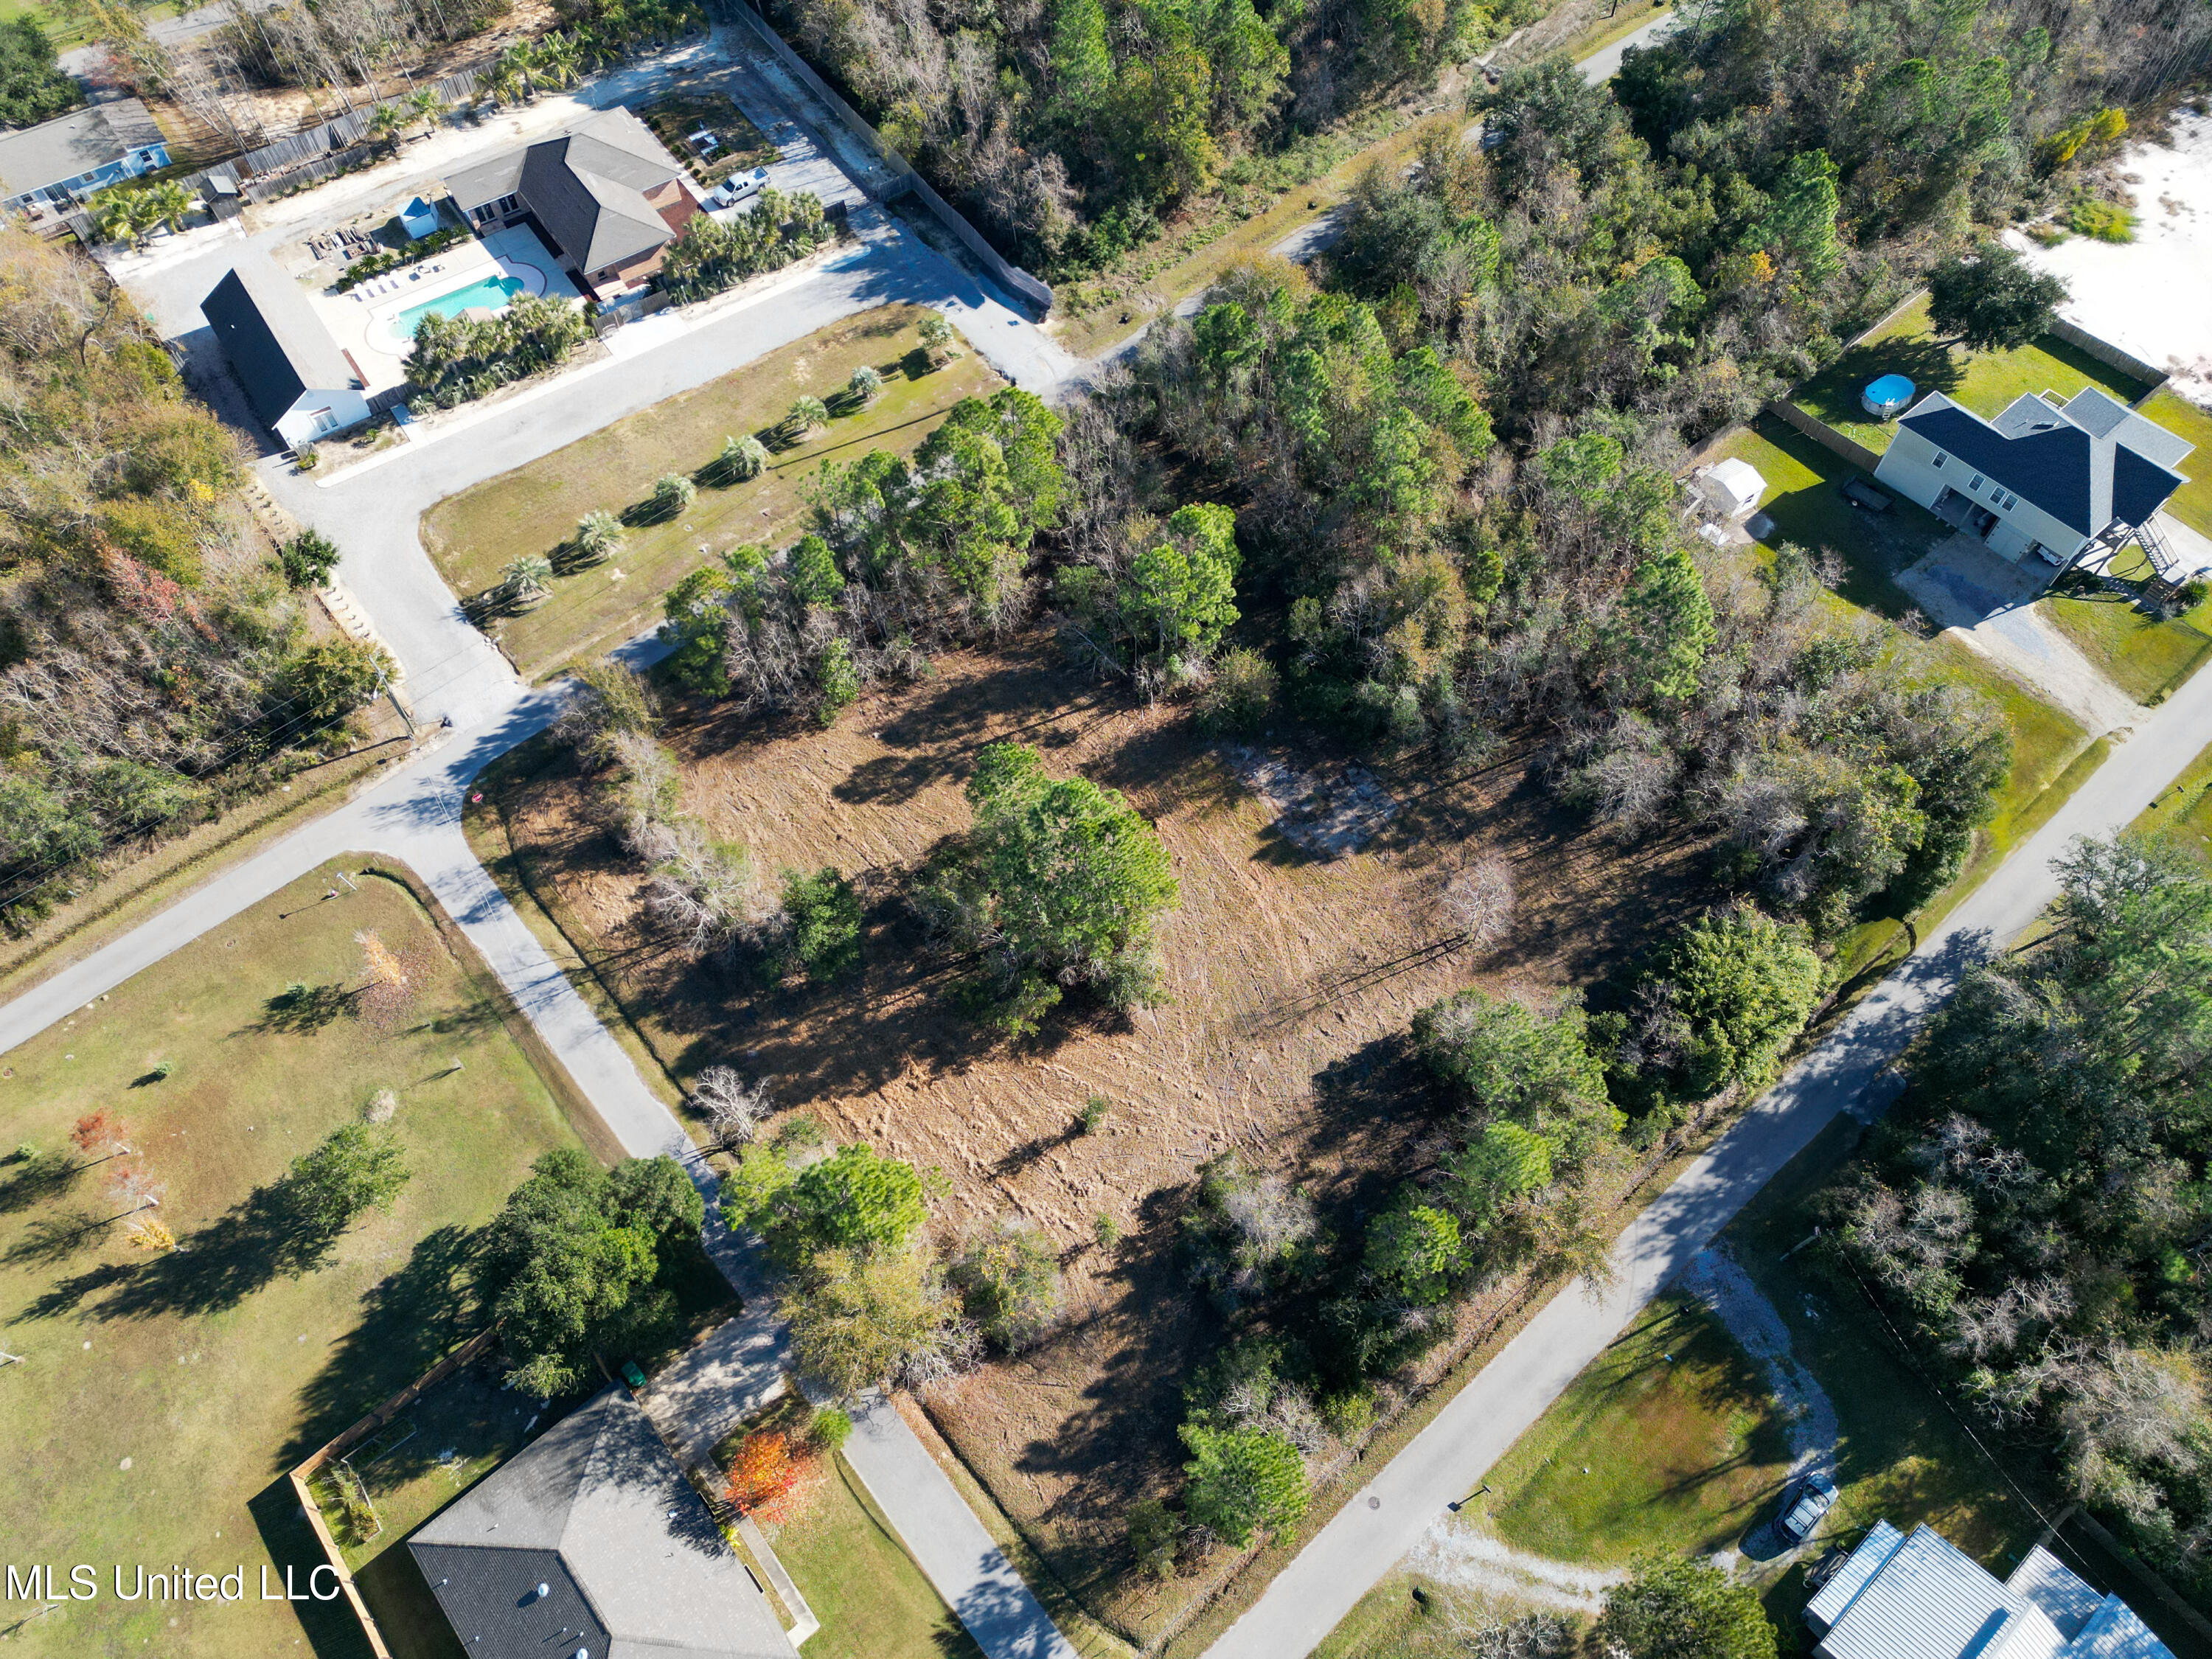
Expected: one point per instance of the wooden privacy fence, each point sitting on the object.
(314, 1463)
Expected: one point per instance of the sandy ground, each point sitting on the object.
(1453, 1553)
(1989, 604)
(2152, 297)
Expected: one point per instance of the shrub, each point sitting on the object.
(1414, 1254)
(673, 493)
(2107, 221)
(936, 333)
(1245, 1233)
(821, 920)
(741, 458)
(762, 1472)
(1675, 1609)
(1153, 1534)
(1093, 1117)
(599, 535)
(306, 458)
(2194, 593)
(1008, 1276)
(1242, 1480)
(1106, 1231)
(612, 700)
(1240, 696)
(830, 1428)
(837, 682)
(308, 559)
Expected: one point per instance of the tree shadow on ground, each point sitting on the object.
(36, 1179)
(303, 1010)
(266, 1236)
(410, 1320)
(51, 1239)
(329, 1627)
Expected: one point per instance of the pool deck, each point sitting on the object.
(363, 320)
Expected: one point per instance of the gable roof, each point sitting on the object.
(54, 152)
(272, 337)
(595, 1511)
(586, 186)
(1920, 1597)
(2089, 463)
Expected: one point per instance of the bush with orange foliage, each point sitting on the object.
(99, 1134)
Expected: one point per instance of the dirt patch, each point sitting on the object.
(1293, 979)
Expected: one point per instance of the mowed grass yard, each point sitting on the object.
(1669, 1440)
(164, 1396)
(2192, 503)
(534, 508)
(2182, 814)
(1983, 381)
(848, 1563)
(2052, 754)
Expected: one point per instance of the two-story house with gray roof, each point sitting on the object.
(607, 198)
(2056, 479)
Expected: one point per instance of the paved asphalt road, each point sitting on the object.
(1448, 1459)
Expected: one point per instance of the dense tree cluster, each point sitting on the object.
(2037, 1213)
(1056, 887)
(711, 254)
(906, 557)
(459, 359)
(32, 86)
(583, 1260)
(1067, 130)
(153, 663)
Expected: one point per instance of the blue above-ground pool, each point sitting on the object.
(1887, 395)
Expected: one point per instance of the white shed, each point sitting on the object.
(418, 218)
(1733, 486)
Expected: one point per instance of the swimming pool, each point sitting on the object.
(495, 292)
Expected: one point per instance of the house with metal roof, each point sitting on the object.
(295, 376)
(606, 198)
(51, 167)
(2058, 479)
(1918, 1596)
(590, 1544)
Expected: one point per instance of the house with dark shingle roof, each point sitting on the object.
(590, 1544)
(2059, 479)
(297, 378)
(606, 198)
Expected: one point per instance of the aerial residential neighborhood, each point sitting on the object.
(1117, 829)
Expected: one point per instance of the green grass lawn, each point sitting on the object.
(1983, 381)
(848, 1562)
(534, 508)
(2192, 503)
(165, 1394)
(2183, 812)
(2051, 751)
(2145, 655)
(1669, 1440)
(1903, 1456)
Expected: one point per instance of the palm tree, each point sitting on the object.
(527, 579)
(515, 67)
(385, 123)
(558, 61)
(169, 202)
(426, 104)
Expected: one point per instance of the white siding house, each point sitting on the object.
(300, 383)
(1918, 1596)
(2058, 479)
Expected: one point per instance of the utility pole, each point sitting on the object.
(7, 1358)
(384, 684)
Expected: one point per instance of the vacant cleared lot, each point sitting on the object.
(165, 1393)
(1293, 982)
(534, 508)
(1983, 381)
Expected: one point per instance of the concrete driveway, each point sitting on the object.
(1989, 604)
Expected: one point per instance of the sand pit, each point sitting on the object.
(2153, 296)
